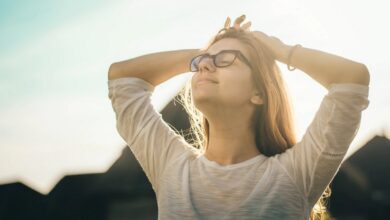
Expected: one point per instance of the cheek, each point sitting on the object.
(236, 89)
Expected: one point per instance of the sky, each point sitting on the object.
(55, 115)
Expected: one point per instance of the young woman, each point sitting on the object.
(245, 162)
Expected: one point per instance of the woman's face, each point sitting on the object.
(234, 86)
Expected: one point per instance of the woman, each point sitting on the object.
(245, 162)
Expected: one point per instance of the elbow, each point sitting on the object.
(363, 75)
(357, 73)
(111, 71)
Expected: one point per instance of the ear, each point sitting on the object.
(256, 99)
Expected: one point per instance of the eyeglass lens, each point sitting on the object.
(221, 59)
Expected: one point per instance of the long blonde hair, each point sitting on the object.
(273, 121)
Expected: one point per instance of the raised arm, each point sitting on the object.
(131, 83)
(154, 68)
(314, 161)
(323, 67)
(326, 68)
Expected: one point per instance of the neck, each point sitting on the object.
(230, 142)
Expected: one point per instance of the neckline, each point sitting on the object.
(231, 166)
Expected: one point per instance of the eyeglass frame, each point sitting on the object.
(236, 53)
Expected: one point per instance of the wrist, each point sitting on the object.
(283, 54)
(290, 55)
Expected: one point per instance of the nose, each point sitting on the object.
(206, 64)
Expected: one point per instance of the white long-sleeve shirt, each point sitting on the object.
(189, 186)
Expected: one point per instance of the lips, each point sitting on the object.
(206, 80)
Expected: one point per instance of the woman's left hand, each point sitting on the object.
(274, 44)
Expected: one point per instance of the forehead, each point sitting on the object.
(228, 44)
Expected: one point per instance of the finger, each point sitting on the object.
(238, 21)
(246, 26)
(227, 23)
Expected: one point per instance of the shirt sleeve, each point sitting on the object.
(314, 161)
(153, 143)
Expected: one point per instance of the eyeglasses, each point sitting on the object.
(222, 59)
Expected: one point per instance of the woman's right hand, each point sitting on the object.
(276, 46)
(236, 25)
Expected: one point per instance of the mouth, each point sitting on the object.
(202, 80)
(205, 81)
